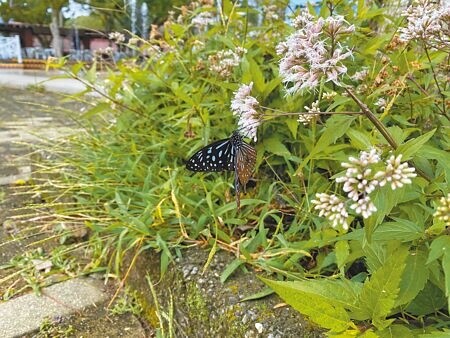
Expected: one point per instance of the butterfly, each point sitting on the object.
(227, 155)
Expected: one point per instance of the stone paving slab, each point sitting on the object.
(25, 314)
(22, 78)
(24, 173)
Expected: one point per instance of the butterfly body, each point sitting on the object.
(226, 155)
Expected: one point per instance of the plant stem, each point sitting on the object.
(411, 78)
(92, 87)
(371, 116)
(434, 77)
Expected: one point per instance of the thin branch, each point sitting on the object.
(90, 86)
(434, 76)
(382, 129)
(411, 78)
(371, 116)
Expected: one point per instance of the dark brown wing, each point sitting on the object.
(245, 162)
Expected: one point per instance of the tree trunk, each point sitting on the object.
(54, 28)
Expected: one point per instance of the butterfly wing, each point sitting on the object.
(245, 162)
(217, 156)
(227, 154)
(245, 159)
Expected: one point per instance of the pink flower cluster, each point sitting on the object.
(314, 52)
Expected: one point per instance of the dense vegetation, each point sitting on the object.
(347, 106)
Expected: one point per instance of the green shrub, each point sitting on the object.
(352, 168)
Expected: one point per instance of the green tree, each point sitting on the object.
(38, 12)
(116, 15)
(109, 15)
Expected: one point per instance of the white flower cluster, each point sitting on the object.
(428, 21)
(244, 106)
(360, 75)
(308, 55)
(117, 37)
(396, 173)
(381, 103)
(359, 182)
(225, 61)
(311, 113)
(271, 12)
(333, 208)
(443, 210)
(203, 20)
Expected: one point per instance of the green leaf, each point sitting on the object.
(166, 256)
(385, 200)
(429, 300)
(257, 75)
(410, 148)
(318, 309)
(342, 252)
(261, 294)
(336, 127)
(100, 107)
(438, 247)
(342, 292)
(293, 127)
(401, 230)
(414, 277)
(358, 139)
(394, 331)
(433, 153)
(446, 268)
(377, 253)
(445, 333)
(274, 145)
(379, 293)
(230, 269)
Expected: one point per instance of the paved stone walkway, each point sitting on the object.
(28, 117)
(24, 78)
(23, 315)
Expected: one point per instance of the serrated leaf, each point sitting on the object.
(91, 74)
(358, 139)
(438, 247)
(410, 148)
(379, 292)
(377, 252)
(414, 278)
(401, 230)
(318, 309)
(342, 293)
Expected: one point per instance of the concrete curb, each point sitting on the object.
(25, 314)
(21, 79)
